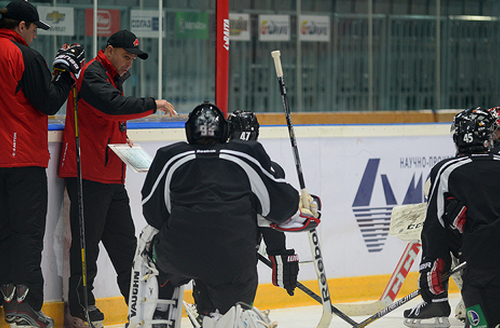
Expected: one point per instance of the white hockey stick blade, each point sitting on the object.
(360, 308)
(407, 221)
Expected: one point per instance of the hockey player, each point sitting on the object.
(463, 198)
(202, 196)
(243, 125)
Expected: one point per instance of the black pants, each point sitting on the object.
(208, 294)
(23, 214)
(108, 219)
(482, 287)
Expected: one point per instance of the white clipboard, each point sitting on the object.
(135, 157)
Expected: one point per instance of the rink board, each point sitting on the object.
(360, 172)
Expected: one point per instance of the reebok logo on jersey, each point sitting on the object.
(293, 258)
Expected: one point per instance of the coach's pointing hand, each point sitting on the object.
(165, 107)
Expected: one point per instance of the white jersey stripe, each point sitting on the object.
(257, 185)
(442, 187)
(160, 176)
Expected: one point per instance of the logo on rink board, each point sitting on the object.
(374, 219)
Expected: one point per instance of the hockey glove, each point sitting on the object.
(69, 58)
(455, 214)
(285, 269)
(305, 219)
(431, 285)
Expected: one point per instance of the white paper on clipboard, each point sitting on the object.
(135, 157)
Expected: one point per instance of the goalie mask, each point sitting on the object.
(206, 121)
(472, 131)
(243, 125)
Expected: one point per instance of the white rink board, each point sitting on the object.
(334, 159)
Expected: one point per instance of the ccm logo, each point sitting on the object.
(320, 267)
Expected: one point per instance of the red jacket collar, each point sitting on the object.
(107, 64)
(13, 35)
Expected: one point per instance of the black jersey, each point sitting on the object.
(204, 199)
(474, 180)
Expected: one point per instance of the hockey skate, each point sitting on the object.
(26, 316)
(432, 315)
(96, 318)
(9, 303)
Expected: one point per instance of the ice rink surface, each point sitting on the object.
(308, 317)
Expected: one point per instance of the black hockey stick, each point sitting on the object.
(312, 294)
(404, 300)
(326, 317)
(80, 211)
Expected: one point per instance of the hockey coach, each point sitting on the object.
(29, 93)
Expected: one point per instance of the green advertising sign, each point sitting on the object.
(191, 26)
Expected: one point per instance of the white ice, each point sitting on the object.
(308, 317)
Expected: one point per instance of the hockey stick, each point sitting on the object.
(326, 317)
(405, 299)
(388, 296)
(80, 211)
(392, 288)
(311, 293)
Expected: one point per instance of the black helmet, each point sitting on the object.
(206, 121)
(243, 125)
(472, 131)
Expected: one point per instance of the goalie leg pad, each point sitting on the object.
(240, 316)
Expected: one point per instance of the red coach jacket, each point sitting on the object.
(102, 114)
(27, 96)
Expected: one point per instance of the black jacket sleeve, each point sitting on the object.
(102, 95)
(45, 94)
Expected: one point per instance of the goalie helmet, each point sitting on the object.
(472, 131)
(243, 125)
(206, 121)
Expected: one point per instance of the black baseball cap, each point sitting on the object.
(128, 41)
(24, 11)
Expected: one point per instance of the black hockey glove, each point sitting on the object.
(430, 281)
(455, 214)
(69, 58)
(285, 270)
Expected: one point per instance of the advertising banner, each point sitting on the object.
(314, 28)
(60, 19)
(146, 23)
(189, 25)
(274, 28)
(239, 27)
(108, 21)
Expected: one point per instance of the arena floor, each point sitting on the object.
(308, 317)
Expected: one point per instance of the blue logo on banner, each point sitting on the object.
(374, 219)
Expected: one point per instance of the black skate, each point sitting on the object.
(95, 315)
(26, 316)
(428, 315)
(9, 303)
